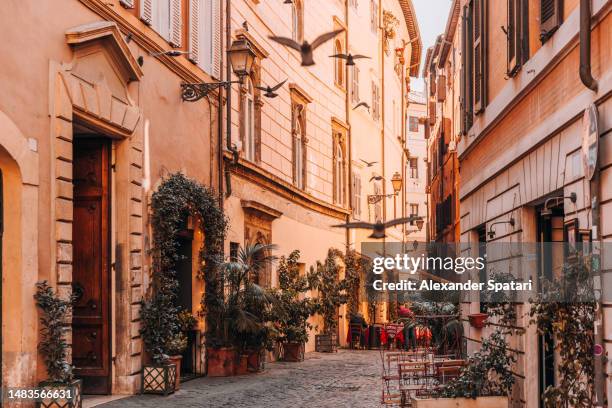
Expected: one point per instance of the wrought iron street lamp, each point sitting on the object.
(241, 57)
(396, 182)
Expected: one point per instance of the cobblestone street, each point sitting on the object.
(346, 379)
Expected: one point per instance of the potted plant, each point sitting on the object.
(64, 389)
(161, 336)
(478, 320)
(292, 309)
(242, 308)
(485, 381)
(333, 293)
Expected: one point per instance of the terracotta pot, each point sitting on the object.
(242, 366)
(478, 320)
(176, 360)
(293, 352)
(256, 361)
(221, 362)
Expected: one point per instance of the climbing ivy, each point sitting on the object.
(177, 198)
(565, 310)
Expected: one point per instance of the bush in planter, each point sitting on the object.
(291, 309)
(242, 309)
(487, 373)
(332, 294)
(54, 348)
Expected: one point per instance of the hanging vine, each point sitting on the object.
(178, 198)
(565, 310)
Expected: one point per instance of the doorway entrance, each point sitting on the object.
(91, 337)
(184, 274)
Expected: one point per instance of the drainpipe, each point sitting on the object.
(228, 101)
(586, 75)
(349, 136)
(220, 128)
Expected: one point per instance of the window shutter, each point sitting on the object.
(432, 83)
(511, 29)
(176, 23)
(550, 18)
(127, 3)
(463, 73)
(194, 31)
(478, 55)
(355, 90)
(146, 11)
(216, 34)
(441, 88)
(432, 113)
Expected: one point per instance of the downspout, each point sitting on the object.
(228, 101)
(220, 128)
(349, 141)
(404, 159)
(586, 76)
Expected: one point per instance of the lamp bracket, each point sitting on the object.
(192, 92)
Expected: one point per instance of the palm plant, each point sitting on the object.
(245, 307)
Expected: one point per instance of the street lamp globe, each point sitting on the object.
(241, 56)
(397, 181)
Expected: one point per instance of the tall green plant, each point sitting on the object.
(244, 312)
(332, 290)
(53, 332)
(356, 268)
(292, 309)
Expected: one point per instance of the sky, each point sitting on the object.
(431, 15)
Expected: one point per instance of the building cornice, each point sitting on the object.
(265, 179)
(415, 36)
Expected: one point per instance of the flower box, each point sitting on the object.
(480, 402)
(478, 320)
(326, 343)
(158, 379)
(70, 395)
(293, 352)
(221, 362)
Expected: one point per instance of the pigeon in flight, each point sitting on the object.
(270, 90)
(377, 178)
(367, 163)
(364, 104)
(350, 58)
(306, 49)
(378, 228)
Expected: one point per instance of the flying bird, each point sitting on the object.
(350, 58)
(270, 90)
(377, 178)
(378, 228)
(367, 163)
(306, 49)
(364, 104)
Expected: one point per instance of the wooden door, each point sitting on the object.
(91, 264)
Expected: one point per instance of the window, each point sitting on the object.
(355, 87)
(517, 33)
(299, 145)
(354, 4)
(297, 20)
(550, 18)
(373, 16)
(234, 247)
(340, 164)
(203, 46)
(248, 112)
(414, 211)
(375, 101)
(356, 199)
(165, 16)
(414, 167)
(466, 71)
(413, 124)
(478, 44)
(338, 64)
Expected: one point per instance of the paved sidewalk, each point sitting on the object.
(348, 379)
